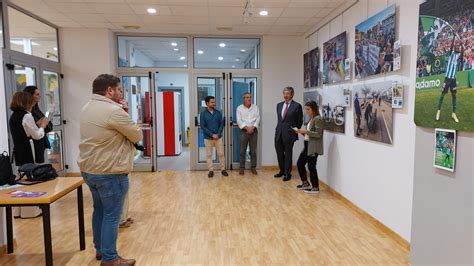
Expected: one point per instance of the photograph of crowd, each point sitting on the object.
(373, 111)
(333, 109)
(445, 65)
(334, 55)
(311, 68)
(374, 41)
(445, 149)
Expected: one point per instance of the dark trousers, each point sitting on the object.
(246, 140)
(311, 161)
(284, 150)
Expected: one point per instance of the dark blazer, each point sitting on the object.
(293, 118)
(21, 142)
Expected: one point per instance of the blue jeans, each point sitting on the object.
(108, 194)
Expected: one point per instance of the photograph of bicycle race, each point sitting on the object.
(445, 149)
(334, 55)
(311, 68)
(313, 95)
(445, 65)
(333, 110)
(374, 41)
(373, 111)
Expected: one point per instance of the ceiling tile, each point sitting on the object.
(189, 11)
(191, 20)
(323, 12)
(315, 3)
(154, 20)
(262, 21)
(187, 2)
(313, 21)
(87, 18)
(96, 25)
(121, 18)
(33, 5)
(226, 11)
(52, 17)
(154, 2)
(273, 12)
(111, 8)
(291, 21)
(223, 21)
(300, 12)
(270, 3)
(141, 9)
(68, 24)
(232, 3)
(103, 1)
(287, 29)
(73, 8)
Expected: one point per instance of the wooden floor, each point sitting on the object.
(186, 218)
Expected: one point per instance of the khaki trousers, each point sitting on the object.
(210, 143)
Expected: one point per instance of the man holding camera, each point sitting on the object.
(108, 135)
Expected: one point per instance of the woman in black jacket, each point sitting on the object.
(42, 144)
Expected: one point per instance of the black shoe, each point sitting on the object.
(278, 175)
(304, 185)
(224, 173)
(211, 174)
(287, 178)
(314, 190)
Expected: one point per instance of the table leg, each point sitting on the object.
(48, 249)
(80, 212)
(9, 218)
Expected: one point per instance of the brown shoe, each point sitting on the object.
(125, 224)
(241, 172)
(254, 171)
(98, 256)
(118, 261)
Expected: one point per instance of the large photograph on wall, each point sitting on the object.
(444, 83)
(334, 55)
(333, 109)
(374, 41)
(313, 95)
(373, 113)
(311, 68)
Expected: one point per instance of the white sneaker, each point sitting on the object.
(437, 115)
(455, 117)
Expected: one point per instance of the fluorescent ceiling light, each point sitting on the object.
(176, 49)
(243, 50)
(182, 58)
(151, 10)
(263, 13)
(233, 66)
(200, 52)
(222, 44)
(174, 44)
(220, 58)
(237, 59)
(35, 44)
(185, 65)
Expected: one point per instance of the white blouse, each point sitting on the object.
(32, 130)
(308, 127)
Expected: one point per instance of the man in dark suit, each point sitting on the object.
(290, 115)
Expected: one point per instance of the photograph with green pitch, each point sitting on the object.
(445, 65)
(445, 149)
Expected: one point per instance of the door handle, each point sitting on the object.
(231, 121)
(196, 123)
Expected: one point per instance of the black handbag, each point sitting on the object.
(36, 173)
(6, 170)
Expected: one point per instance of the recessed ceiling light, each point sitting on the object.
(185, 65)
(1, 32)
(220, 58)
(233, 66)
(176, 49)
(182, 58)
(174, 44)
(263, 13)
(55, 48)
(34, 43)
(200, 52)
(237, 59)
(222, 44)
(151, 10)
(243, 50)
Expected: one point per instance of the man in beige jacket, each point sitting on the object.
(106, 156)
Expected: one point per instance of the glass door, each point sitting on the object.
(228, 90)
(139, 93)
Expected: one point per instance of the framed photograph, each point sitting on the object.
(397, 56)
(311, 68)
(334, 56)
(397, 96)
(445, 149)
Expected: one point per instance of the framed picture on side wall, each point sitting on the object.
(445, 149)
(311, 68)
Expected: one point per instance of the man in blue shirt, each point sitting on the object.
(212, 125)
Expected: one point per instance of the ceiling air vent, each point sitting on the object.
(224, 28)
(131, 27)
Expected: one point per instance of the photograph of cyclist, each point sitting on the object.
(373, 111)
(333, 110)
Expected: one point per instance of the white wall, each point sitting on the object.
(376, 177)
(85, 53)
(282, 65)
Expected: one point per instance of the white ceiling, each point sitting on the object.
(293, 17)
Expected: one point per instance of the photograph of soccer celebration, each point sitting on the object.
(313, 95)
(374, 41)
(333, 110)
(373, 111)
(444, 83)
(334, 55)
(311, 68)
(445, 149)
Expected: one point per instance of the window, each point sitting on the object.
(226, 53)
(31, 36)
(52, 100)
(152, 52)
(24, 76)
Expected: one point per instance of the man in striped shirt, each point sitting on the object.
(454, 60)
